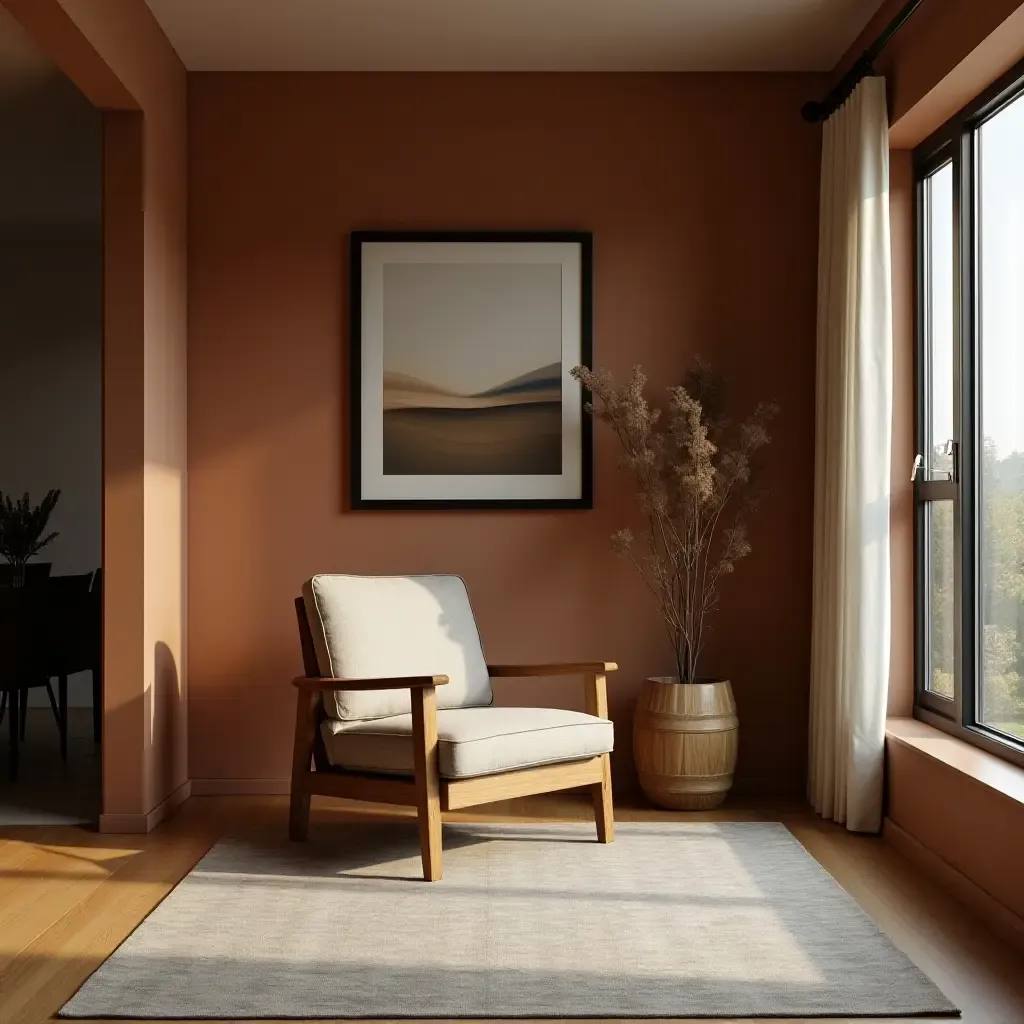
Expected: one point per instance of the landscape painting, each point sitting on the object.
(462, 345)
(472, 369)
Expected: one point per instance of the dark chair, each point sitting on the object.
(63, 594)
(74, 586)
(94, 644)
(58, 617)
(24, 636)
(68, 627)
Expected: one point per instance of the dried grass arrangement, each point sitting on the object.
(692, 468)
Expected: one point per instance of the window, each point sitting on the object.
(936, 451)
(1001, 356)
(969, 474)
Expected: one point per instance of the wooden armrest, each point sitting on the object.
(567, 669)
(313, 683)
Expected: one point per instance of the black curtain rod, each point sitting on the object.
(815, 111)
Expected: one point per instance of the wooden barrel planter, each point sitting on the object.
(685, 737)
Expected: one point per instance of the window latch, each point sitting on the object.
(952, 449)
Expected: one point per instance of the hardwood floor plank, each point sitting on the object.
(40, 979)
(46, 883)
(46, 887)
(13, 854)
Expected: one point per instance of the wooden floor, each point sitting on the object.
(69, 896)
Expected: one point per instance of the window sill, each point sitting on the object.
(985, 768)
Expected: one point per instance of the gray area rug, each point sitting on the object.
(670, 920)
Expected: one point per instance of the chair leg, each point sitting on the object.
(302, 752)
(428, 784)
(298, 814)
(604, 814)
(62, 712)
(53, 703)
(596, 692)
(23, 697)
(97, 704)
(3, 705)
(13, 724)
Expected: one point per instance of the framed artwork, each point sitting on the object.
(461, 345)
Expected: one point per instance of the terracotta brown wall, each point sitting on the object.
(701, 192)
(974, 829)
(117, 55)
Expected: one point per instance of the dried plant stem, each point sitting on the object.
(688, 476)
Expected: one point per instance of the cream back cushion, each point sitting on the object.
(375, 627)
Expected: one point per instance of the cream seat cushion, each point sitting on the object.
(471, 741)
(375, 627)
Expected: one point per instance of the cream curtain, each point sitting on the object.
(850, 633)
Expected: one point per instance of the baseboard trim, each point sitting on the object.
(142, 823)
(240, 787)
(995, 914)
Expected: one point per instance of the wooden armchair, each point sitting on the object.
(395, 707)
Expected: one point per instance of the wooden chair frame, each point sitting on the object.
(426, 790)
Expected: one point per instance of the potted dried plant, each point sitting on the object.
(692, 469)
(21, 530)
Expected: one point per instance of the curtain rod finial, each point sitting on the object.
(812, 111)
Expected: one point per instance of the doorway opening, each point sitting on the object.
(51, 471)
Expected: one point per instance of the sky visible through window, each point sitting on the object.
(1001, 337)
(1001, 230)
(940, 256)
(1001, 226)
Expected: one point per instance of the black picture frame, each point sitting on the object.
(357, 500)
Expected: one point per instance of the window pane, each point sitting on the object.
(939, 527)
(1001, 323)
(939, 320)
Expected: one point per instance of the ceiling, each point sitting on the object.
(512, 35)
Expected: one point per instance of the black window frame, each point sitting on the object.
(956, 142)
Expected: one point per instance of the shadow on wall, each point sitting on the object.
(167, 727)
(137, 780)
